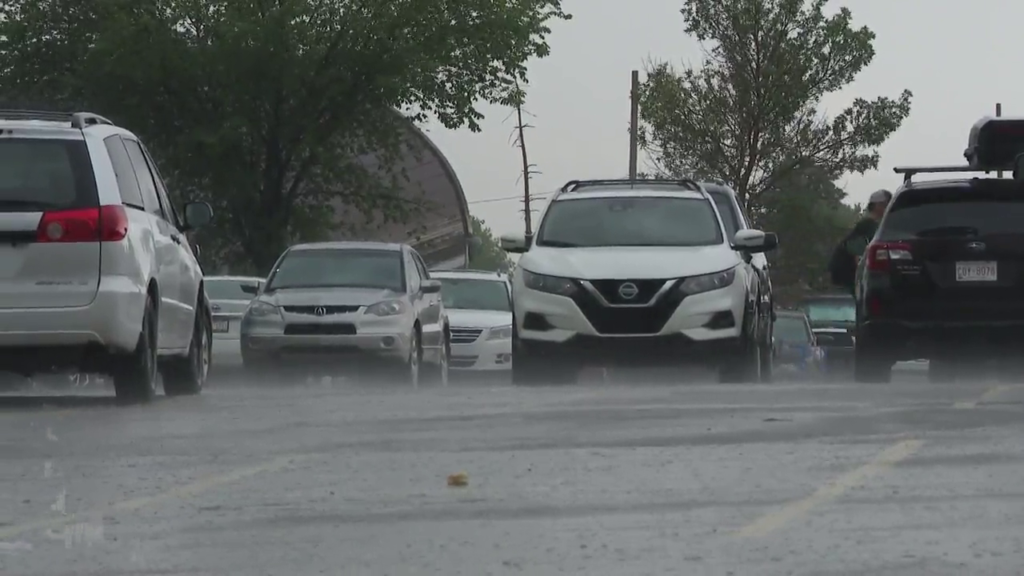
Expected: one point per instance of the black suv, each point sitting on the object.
(943, 278)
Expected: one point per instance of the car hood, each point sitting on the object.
(228, 306)
(459, 318)
(329, 296)
(629, 262)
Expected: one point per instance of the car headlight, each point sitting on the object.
(386, 308)
(500, 333)
(708, 282)
(261, 309)
(548, 284)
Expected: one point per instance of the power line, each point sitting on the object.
(508, 199)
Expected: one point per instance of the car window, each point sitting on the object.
(838, 311)
(790, 329)
(415, 277)
(224, 289)
(420, 266)
(475, 294)
(161, 189)
(124, 173)
(339, 268)
(146, 184)
(623, 221)
(988, 207)
(45, 174)
(728, 212)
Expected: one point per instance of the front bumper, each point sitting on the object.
(641, 351)
(483, 355)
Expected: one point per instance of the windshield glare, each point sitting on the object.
(326, 268)
(475, 294)
(648, 221)
(831, 312)
(229, 289)
(790, 329)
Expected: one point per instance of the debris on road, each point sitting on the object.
(459, 479)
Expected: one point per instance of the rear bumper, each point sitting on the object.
(909, 340)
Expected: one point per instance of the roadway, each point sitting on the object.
(627, 479)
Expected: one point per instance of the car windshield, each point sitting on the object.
(791, 329)
(987, 207)
(838, 311)
(225, 289)
(339, 268)
(619, 221)
(475, 294)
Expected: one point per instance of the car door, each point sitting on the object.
(190, 273)
(175, 320)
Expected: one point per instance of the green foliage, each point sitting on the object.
(487, 255)
(749, 116)
(271, 109)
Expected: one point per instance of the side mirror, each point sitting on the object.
(197, 215)
(514, 243)
(755, 241)
(431, 286)
(251, 289)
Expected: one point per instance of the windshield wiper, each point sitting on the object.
(940, 231)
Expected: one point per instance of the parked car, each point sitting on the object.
(833, 318)
(229, 297)
(796, 346)
(479, 309)
(348, 307)
(96, 271)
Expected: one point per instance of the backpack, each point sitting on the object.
(842, 267)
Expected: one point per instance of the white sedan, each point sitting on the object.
(480, 318)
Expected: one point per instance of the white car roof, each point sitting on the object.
(476, 274)
(235, 278)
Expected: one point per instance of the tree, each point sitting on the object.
(749, 116)
(487, 253)
(274, 108)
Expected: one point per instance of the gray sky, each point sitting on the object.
(958, 58)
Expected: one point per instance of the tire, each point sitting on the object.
(135, 375)
(532, 369)
(942, 371)
(744, 369)
(187, 376)
(438, 373)
(869, 366)
(410, 370)
(767, 363)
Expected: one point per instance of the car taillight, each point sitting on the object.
(881, 254)
(101, 224)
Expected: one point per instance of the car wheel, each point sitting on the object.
(135, 376)
(746, 369)
(869, 365)
(412, 364)
(439, 373)
(187, 376)
(767, 363)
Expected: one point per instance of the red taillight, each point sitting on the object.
(102, 224)
(880, 254)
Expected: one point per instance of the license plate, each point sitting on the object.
(977, 272)
(221, 325)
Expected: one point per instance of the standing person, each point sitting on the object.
(847, 255)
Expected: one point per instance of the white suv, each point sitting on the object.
(638, 272)
(96, 274)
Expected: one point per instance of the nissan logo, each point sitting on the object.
(628, 290)
(976, 246)
(320, 311)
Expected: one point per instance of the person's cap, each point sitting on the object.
(880, 196)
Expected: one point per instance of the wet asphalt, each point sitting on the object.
(602, 478)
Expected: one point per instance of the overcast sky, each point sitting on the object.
(959, 59)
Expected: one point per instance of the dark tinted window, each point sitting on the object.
(728, 212)
(145, 178)
(791, 329)
(475, 294)
(45, 174)
(229, 289)
(161, 189)
(624, 221)
(127, 184)
(324, 268)
(988, 207)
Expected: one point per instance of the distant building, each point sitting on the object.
(439, 227)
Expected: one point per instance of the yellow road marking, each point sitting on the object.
(988, 395)
(834, 489)
(183, 491)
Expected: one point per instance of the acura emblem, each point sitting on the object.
(320, 311)
(976, 246)
(628, 290)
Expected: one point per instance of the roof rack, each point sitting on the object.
(910, 171)
(686, 183)
(78, 120)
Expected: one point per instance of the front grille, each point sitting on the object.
(629, 321)
(326, 310)
(462, 361)
(465, 335)
(319, 330)
(646, 289)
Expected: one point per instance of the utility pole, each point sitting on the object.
(999, 113)
(634, 120)
(526, 169)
